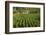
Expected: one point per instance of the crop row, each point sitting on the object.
(26, 20)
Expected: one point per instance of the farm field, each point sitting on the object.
(24, 19)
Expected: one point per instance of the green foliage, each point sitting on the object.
(26, 20)
(22, 9)
(32, 19)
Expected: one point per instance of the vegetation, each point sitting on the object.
(26, 17)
